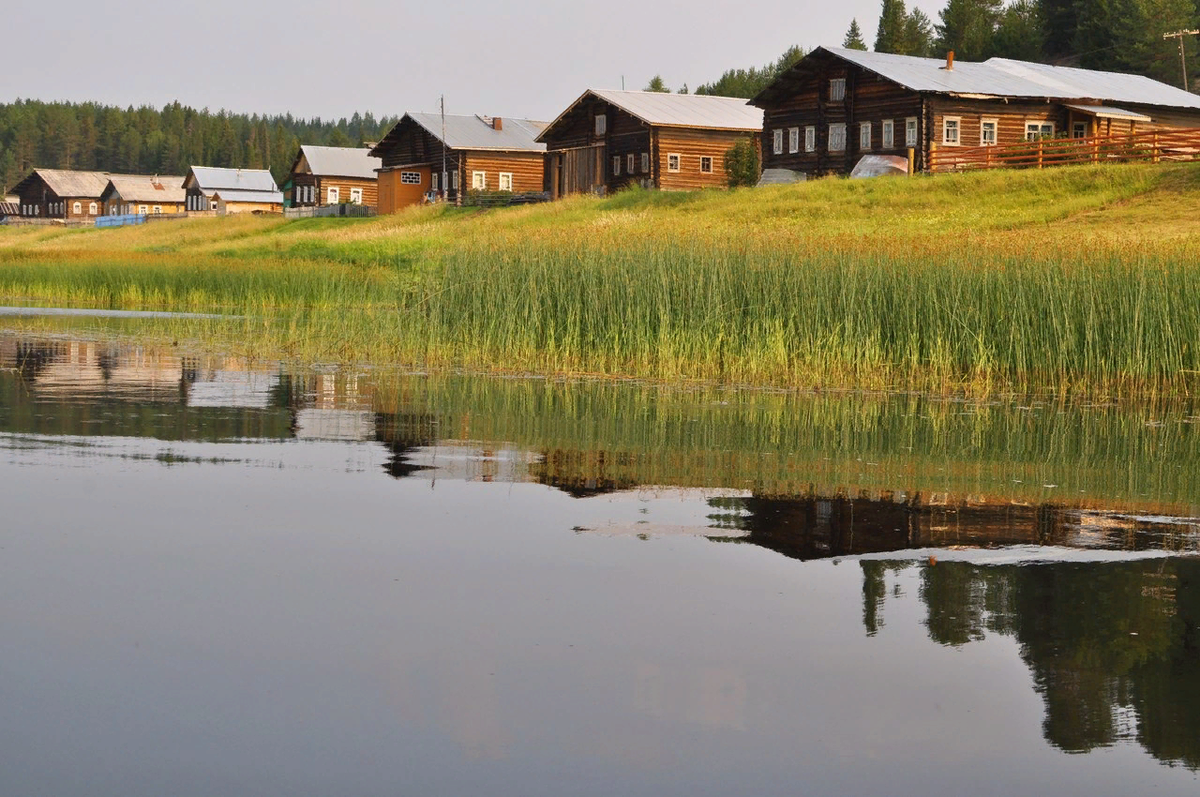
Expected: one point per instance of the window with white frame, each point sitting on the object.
(837, 137)
(479, 181)
(410, 178)
(950, 130)
(810, 138)
(92, 208)
(77, 208)
(889, 134)
(706, 164)
(645, 162)
(793, 140)
(505, 181)
(157, 210)
(1079, 130)
(910, 131)
(356, 195)
(672, 162)
(212, 204)
(454, 179)
(601, 124)
(631, 163)
(864, 135)
(616, 166)
(837, 89)
(777, 142)
(141, 210)
(332, 195)
(1039, 129)
(433, 181)
(987, 132)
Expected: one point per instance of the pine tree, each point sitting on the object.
(854, 39)
(968, 27)
(889, 36)
(656, 84)
(1021, 32)
(918, 35)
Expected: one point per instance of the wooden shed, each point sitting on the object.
(834, 106)
(609, 139)
(61, 194)
(480, 153)
(229, 191)
(333, 175)
(143, 194)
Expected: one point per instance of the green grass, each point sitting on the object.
(1074, 280)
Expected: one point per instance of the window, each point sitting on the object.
(332, 195)
(889, 134)
(454, 179)
(837, 138)
(433, 181)
(1036, 130)
(212, 204)
(631, 162)
(910, 131)
(479, 181)
(506, 181)
(777, 143)
(810, 138)
(616, 165)
(837, 89)
(864, 135)
(645, 162)
(356, 195)
(672, 162)
(77, 208)
(601, 124)
(92, 208)
(987, 132)
(406, 178)
(1079, 130)
(157, 210)
(793, 140)
(950, 129)
(141, 210)
(706, 164)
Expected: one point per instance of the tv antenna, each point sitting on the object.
(1179, 34)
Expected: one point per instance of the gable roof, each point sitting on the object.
(471, 133)
(210, 179)
(998, 77)
(660, 109)
(146, 188)
(338, 161)
(67, 182)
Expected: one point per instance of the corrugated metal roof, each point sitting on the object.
(234, 195)
(148, 188)
(341, 161)
(477, 132)
(69, 183)
(1004, 77)
(212, 178)
(1108, 112)
(678, 110)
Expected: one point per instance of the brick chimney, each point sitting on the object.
(497, 123)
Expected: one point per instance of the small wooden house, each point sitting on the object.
(479, 153)
(609, 139)
(332, 175)
(61, 194)
(143, 194)
(834, 106)
(230, 191)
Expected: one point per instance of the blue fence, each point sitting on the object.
(120, 221)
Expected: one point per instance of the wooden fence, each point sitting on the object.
(324, 211)
(1154, 147)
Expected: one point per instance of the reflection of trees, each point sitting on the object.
(1114, 648)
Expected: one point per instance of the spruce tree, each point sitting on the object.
(854, 39)
(968, 27)
(889, 36)
(656, 84)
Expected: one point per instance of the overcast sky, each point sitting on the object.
(329, 58)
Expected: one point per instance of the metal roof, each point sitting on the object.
(1108, 112)
(340, 161)
(234, 195)
(147, 188)
(210, 178)
(477, 132)
(1004, 77)
(660, 109)
(68, 183)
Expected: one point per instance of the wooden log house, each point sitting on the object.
(480, 153)
(607, 140)
(61, 194)
(231, 191)
(143, 195)
(834, 106)
(333, 175)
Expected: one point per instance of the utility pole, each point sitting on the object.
(1179, 34)
(442, 182)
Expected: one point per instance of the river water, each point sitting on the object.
(222, 577)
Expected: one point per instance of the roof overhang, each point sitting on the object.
(1108, 112)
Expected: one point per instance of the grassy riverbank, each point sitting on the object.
(1071, 280)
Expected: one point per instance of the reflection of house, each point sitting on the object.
(61, 194)
(480, 153)
(143, 194)
(609, 139)
(330, 175)
(835, 106)
(230, 191)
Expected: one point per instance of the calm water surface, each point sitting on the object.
(223, 578)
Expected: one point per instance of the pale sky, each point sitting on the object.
(326, 58)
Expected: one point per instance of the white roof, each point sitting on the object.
(341, 161)
(210, 178)
(1004, 77)
(679, 110)
(478, 132)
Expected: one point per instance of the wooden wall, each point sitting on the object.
(690, 144)
(394, 195)
(39, 195)
(527, 169)
(574, 170)
(409, 144)
(230, 208)
(1010, 117)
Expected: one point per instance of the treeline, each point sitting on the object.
(150, 141)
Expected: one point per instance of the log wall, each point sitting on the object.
(691, 144)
